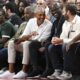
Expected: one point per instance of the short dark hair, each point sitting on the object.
(72, 8)
(10, 6)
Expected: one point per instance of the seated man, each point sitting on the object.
(11, 15)
(70, 27)
(38, 28)
(28, 13)
(36, 55)
(6, 29)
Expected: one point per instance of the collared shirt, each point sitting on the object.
(70, 29)
(43, 30)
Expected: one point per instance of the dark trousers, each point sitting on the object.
(36, 57)
(47, 58)
(56, 56)
(3, 57)
(72, 59)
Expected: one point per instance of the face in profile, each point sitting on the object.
(1, 18)
(40, 17)
(27, 14)
(66, 14)
(6, 11)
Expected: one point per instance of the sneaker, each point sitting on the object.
(7, 74)
(65, 75)
(20, 75)
(55, 74)
(3, 70)
(36, 77)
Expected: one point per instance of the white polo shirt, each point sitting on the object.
(43, 30)
(70, 29)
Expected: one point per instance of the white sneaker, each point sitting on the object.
(55, 74)
(65, 75)
(3, 70)
(7, 74)
(20, 75)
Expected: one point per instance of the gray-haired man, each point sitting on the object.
(38, 28)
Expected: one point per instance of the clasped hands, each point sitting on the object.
(56, 41)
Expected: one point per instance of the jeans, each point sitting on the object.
(56, 56)
(72, 58)
(3, 57)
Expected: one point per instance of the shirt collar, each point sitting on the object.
(74, 20)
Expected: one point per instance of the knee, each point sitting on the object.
(32, 44)
(11, 43)
(50, 48)
(25, 44)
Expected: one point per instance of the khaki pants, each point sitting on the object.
(22, 47)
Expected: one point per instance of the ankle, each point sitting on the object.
(25, 68)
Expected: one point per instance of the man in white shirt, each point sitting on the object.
(71, 28)
(38, 28)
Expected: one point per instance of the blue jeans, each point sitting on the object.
(3, 57)
(56, 56)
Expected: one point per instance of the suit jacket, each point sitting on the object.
(56, 30)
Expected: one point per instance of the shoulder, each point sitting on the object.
(24, 23)
(32, 20)
(78, 18)
(47, 22)
(7, 23)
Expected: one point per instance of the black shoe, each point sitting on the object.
(46, 73)
(34, 74)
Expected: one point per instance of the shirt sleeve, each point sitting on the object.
(7, 31)
(27, 30)
(64, 34)
(46, 33)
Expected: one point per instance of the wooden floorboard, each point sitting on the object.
(74, 78)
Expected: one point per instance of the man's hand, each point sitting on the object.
(34, 33)
(25, 37)
(22, 39)
(56, 41)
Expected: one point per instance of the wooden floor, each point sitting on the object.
(21, 79)
(74, 78)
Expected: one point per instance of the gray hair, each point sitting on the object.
(40, 1)
(28, 8)
(39, 9)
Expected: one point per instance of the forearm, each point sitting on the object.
(24, 38)
(76, 38)
(2, 41)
